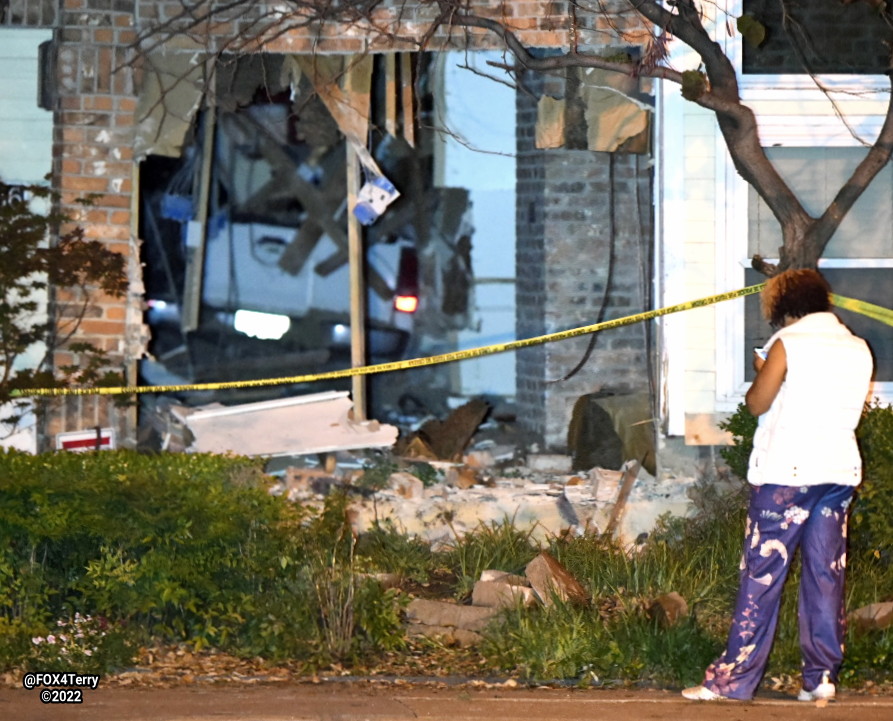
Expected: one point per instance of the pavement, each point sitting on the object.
(365, 701)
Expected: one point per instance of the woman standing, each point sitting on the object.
(809, 394)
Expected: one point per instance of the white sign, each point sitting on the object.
(98, 439)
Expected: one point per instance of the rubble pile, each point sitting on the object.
(438, 480)
(441, 482)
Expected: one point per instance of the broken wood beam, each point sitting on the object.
(630, 474)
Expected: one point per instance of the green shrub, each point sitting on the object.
(175, 546)
(85, 643)
(741, 425)
(871, 520)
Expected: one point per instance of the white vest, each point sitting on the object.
(807, 438)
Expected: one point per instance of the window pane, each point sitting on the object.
(874, 285)
(829, 37)
(816, 175)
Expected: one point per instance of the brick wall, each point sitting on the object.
(579, 214)
(567, 194)
(93, 119)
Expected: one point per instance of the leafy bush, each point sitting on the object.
(177, 547)
(85, 643)
(29, 265)
(741, 425)
(872, 515)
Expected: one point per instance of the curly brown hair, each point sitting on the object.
(794, 294)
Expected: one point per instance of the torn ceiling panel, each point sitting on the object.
(171, 94)
(174, 85)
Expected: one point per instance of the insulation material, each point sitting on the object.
(550, 123)
(349, 105)
(612, 119)
(616, 111)
(615, 114)
(171, 95)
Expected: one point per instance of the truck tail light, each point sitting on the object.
(406, 298)
(406, 303)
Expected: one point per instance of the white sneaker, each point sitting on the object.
(701, 693)
(825, 691)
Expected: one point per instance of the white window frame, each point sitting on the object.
(859, 93)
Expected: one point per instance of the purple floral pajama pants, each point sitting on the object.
(779, 520)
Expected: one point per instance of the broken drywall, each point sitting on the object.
(317, 423)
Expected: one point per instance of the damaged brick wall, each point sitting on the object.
(584, 234)
(95, 124)
(93, 97)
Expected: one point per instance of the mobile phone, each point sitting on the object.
(762, 352)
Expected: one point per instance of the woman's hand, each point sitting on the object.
(770, 375)
(758, 361)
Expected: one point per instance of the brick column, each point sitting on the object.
(92, 154)
(575, 210)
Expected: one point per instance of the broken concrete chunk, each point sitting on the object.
(550, 579)
(479, 459)
(460, 477)
(499, 594)
(440, 613)
(605, 484)
(549, 462)
(873, 617)
(668, 609)
(504, 576)
(447, 634)
(406, 485)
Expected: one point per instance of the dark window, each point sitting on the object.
(819, 36)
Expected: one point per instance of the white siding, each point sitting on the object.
(702, 247)
(26, 135)
(26, 131)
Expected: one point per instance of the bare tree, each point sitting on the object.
(648, 23)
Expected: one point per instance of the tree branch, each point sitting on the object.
(877, 157)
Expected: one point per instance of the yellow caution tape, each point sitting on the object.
(873, 311)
